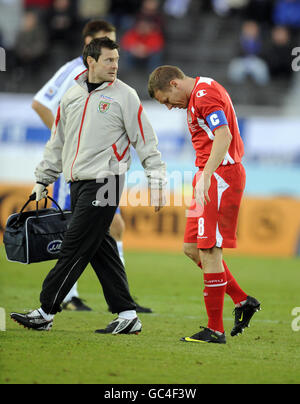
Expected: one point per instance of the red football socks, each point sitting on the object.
(214, 292)
(233, 289)
(216, 285)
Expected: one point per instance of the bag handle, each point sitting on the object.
(59, 208)
(31, 199)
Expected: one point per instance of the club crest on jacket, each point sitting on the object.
(103, 106)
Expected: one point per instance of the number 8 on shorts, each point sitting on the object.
(201, 226)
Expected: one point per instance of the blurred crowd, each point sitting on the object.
(269, 29)
(29, 28)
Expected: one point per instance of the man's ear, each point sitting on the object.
(88, 39)
(90, 60)
(173, 83)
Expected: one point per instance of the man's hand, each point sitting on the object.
(219, 149)
(40, 192)
(158, 198)
(202, 188)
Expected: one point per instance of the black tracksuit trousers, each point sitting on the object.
(88, 241)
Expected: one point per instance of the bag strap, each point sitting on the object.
(31, 199)
(59, 208)
(37, 207)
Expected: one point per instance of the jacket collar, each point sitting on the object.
(82, 78)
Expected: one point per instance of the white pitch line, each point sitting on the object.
(2, 319)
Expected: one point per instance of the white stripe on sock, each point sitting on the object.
(215, 286)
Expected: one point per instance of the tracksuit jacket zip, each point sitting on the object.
(93, 132)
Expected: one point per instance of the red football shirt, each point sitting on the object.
(210, 107)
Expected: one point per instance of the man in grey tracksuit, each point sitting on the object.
(97, 121)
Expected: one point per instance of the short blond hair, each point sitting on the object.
(160, 78)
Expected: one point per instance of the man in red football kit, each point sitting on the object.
(218, 190)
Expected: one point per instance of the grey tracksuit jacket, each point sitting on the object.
(92, 134)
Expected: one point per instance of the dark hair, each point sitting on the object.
(93, 27)
(94, 48)
(160, 78)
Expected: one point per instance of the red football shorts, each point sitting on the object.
(215, 224)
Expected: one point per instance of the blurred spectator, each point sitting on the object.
(287, 12)
(31, 43)
(11, 13)
(61, 21)
(259, 11)
(39, 4)
(123, 13)
(92, 9)
(224, 7)
(249, 62)
(220, 7)
(151, 9)
(279, 53)
(177, 8)
(143, 45)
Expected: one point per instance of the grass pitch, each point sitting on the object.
(72, 353)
